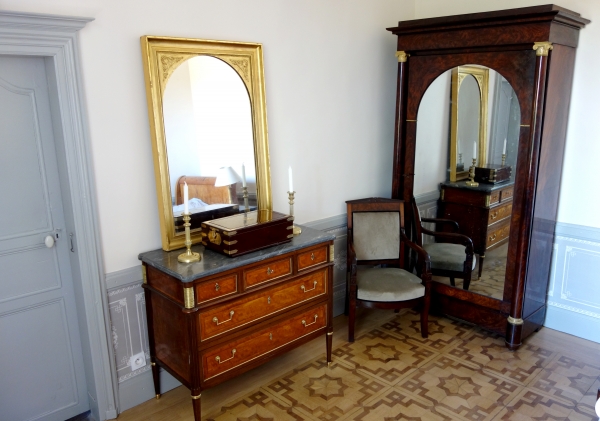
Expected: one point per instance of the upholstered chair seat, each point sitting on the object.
(447, 256)
(452, 253)
(387, 285)
(378, 270)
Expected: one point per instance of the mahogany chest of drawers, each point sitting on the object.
(483, 213)
(212, 320)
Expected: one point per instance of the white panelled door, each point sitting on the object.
(41, 363)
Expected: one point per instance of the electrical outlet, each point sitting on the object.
(137, 361)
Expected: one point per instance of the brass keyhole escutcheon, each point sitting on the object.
(269, 271)
(268, 300)
(217, 286)
(270, 336)
(312, 256)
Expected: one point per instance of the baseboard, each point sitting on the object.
(140, 389)
(573, 323)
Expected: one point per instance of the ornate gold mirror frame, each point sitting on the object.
(481, 75)
(161, 56)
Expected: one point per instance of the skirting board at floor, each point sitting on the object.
(572, 323)
(140, 389)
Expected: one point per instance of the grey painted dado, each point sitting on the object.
(55, 39)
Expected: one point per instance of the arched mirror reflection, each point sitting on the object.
(208, 129)
(208, 122)
(483, 211)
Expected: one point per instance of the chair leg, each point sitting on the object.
(467, 281)
(481, 257)
(351, 317)
(452, 282)
(425, 317)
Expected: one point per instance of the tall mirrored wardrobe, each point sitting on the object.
(481, 116)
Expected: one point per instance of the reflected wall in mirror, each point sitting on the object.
(483, 213)
(469, 119)
(206, 103)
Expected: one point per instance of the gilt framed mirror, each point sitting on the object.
(468, 121)
(208, 123)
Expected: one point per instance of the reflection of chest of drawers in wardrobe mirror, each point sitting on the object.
(530, 54)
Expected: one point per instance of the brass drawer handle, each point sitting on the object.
(269, 271)
(303, 288)
(492, 237)
(494, 215)
(308, 324)
(217, 287)
(312, 256)
(218, 359)
(224, 321)
(271, 336)
(269, 300)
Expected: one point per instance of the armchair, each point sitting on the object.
(376, 276)
(452, 253)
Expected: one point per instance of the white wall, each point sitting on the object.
(577, 204)
(330, 77)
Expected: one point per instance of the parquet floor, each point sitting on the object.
(390, 373)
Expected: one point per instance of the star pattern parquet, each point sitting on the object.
(459, 373)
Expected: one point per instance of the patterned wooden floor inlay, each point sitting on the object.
(459, 373)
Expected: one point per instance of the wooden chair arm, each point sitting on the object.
(453, 238)
(450, 222)
(422, 255)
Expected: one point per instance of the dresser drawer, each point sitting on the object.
(496, 233)
(216, 288)
(494, 198)
(253, 307)
(312, 258)
(268, 272)
(499, 213)
(506, 194)
(241, 351)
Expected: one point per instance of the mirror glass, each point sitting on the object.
(469, 106)
(434, 147)
(208, 122)
(208, 128)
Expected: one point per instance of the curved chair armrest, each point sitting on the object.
(450, 222)
(422, 255)
(453, 238)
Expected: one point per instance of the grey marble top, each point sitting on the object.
(483, 187)
(212, 262)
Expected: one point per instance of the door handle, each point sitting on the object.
(49, 241)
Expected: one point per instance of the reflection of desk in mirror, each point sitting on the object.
(483, 213)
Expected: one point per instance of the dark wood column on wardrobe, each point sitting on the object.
(533, 48)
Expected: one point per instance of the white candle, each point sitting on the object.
(474, 150)
(504, 149)
(291, 187)
(458, 144)
(243, 175)
(185, 198)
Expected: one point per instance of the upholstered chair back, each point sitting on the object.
(376, 235)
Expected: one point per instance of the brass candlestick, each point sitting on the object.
(503, 159)
(189, 256)
(472, 182)
(296, 230)
(245, 192)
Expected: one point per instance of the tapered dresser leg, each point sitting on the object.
(156, 378)
(329, 340)
(197, 407)
(481, 257)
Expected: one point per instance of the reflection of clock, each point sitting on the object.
(214, 237)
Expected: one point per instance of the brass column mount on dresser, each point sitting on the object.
(208, 323)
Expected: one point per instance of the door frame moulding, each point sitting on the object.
(56, 38)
